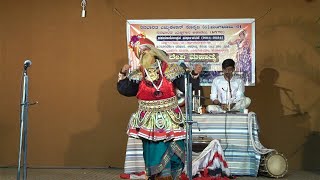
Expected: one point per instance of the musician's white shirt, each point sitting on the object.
(220, 90)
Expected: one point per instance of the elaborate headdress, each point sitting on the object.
(137, 41)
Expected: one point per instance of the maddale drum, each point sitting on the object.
(273, 165)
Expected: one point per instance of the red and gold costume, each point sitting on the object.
(158, 122)
(158, 118)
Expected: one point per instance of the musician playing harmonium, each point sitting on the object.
(227, 91)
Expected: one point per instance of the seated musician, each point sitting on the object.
(227, 91)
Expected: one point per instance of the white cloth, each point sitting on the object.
(208, 154)
(239, 106)
(220, 90)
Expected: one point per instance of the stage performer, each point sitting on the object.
(158, 122)
(227, 91)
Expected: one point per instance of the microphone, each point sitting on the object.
(184, 66)
(27, 63)
(230, 87)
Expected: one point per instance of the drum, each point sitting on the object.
(199, 143)
(273, 165)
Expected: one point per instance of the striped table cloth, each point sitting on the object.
(232, 131)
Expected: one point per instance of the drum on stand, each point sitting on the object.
(273, 165)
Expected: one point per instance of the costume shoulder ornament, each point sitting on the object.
(173, 72)
(135, 75)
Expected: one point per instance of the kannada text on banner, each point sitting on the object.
(207, 43)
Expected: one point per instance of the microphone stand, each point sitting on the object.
(189, 122)
(230, 94)
(24, 125)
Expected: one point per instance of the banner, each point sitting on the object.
(201, 41)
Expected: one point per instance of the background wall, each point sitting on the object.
(81, 119)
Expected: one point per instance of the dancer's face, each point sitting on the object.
(147, 56)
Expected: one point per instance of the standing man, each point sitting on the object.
(227, 91)
(158, 122)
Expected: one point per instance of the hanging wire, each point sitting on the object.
(83, 4)
(121, 15)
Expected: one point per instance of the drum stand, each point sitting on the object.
(24, 126)
(189, 122)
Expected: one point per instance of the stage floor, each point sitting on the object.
(113, 174)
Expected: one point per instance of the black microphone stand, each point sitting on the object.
(189, 122)
(24, 125)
